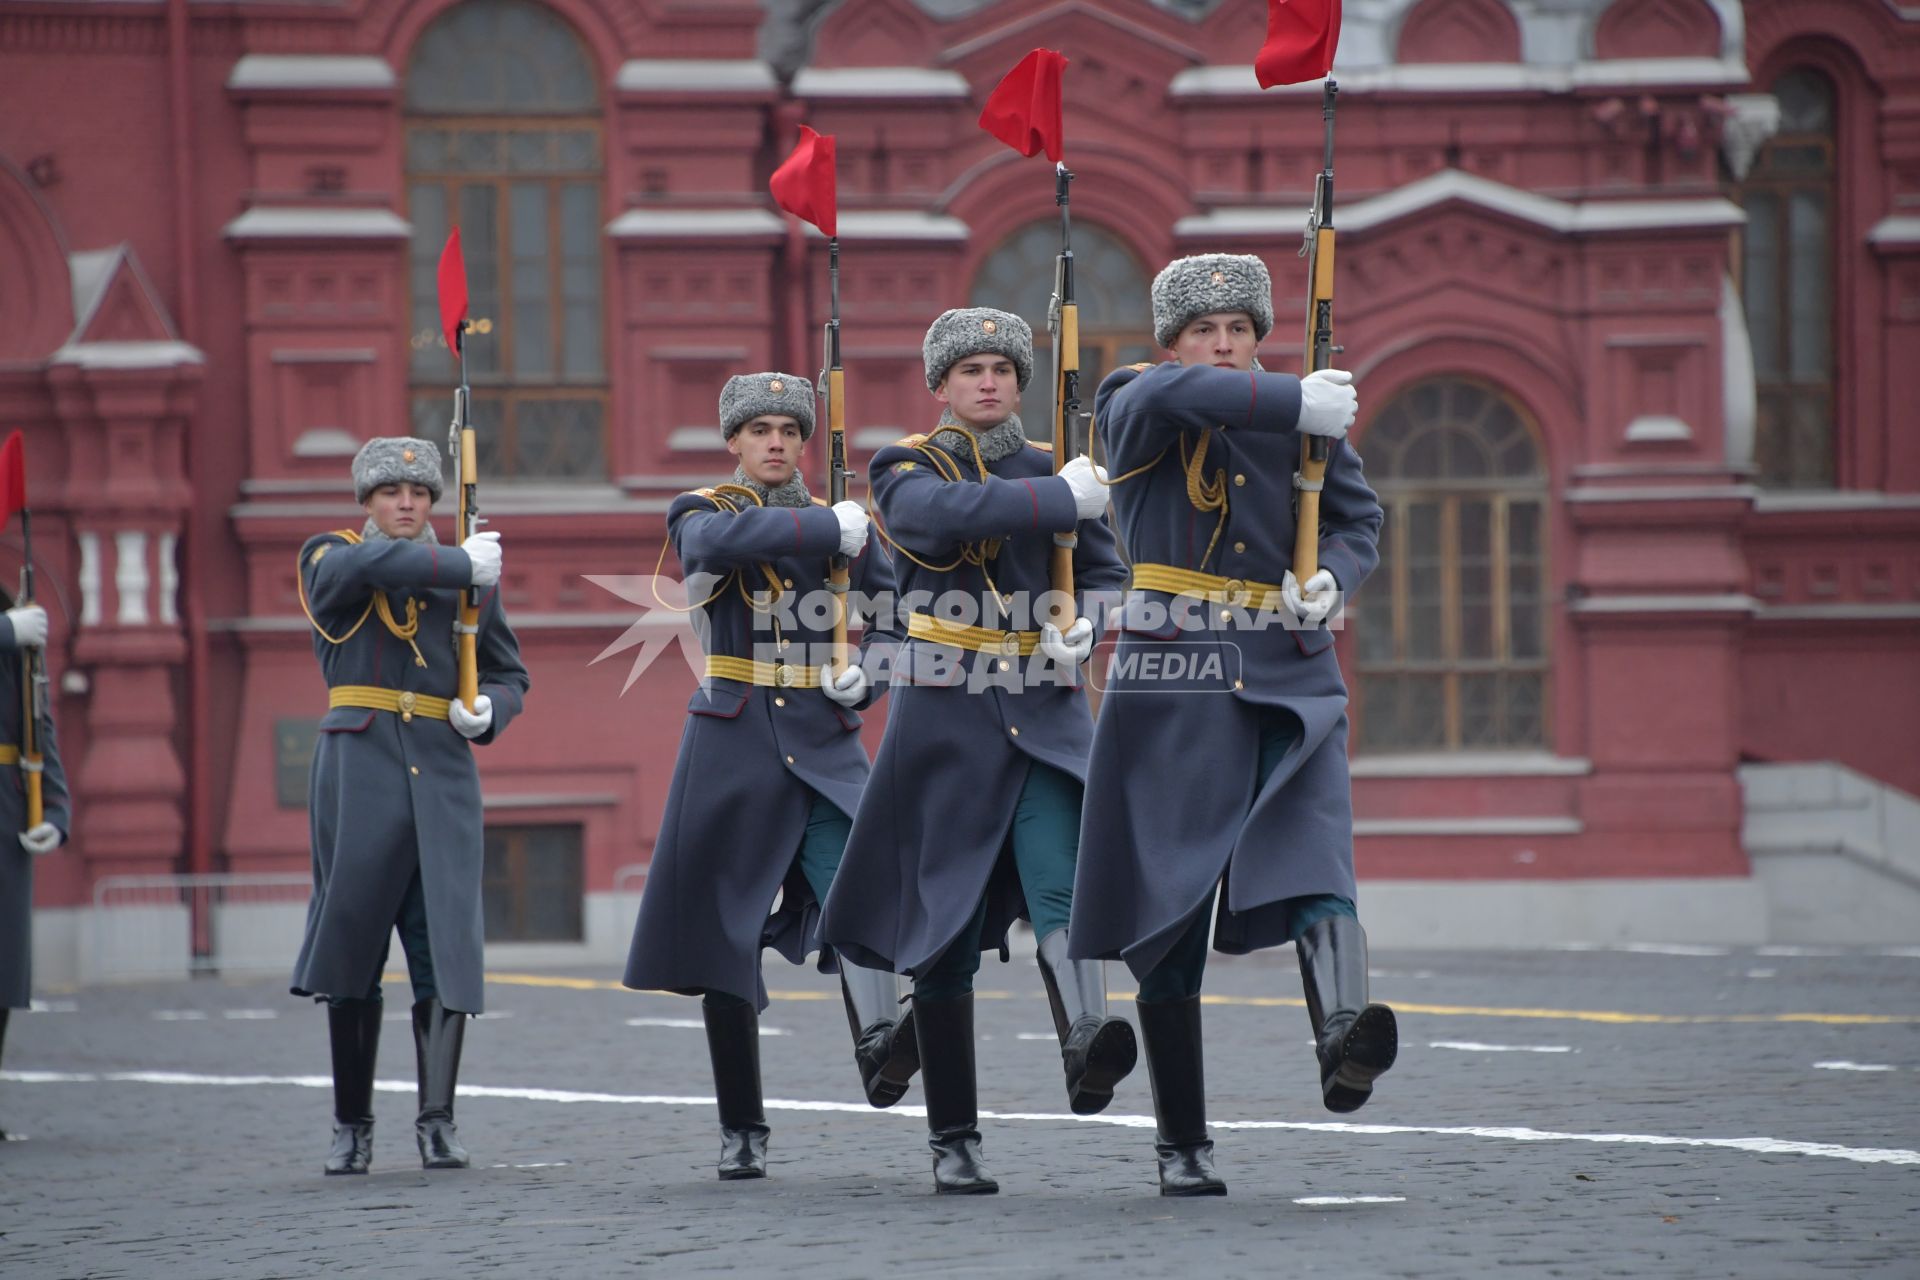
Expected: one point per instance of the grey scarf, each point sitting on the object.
(791, 494)
(371, 533)
(996, 443)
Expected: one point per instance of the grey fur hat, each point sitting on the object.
(396, 460)
(967, 331)
(749, 395)
(1190, 287)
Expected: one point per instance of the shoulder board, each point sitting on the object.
(349, 536)
(818, 501)
(1142, 367)
(1044, 446)
(913, 441)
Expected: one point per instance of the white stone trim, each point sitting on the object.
(882, 82)
(269, 222)
(1901, 229)
(1661, 493)
(1504, 826)
(303, 71)
(695, 75)
(1474, 77)
(130, 576)
(1682, 602)
(127, 355)
(168, 595)
(1839, 612)
(1471, 764)
(1658, 428)
(1739, 388)
(89, 578)
(1769, 501)
(326, 442)
(1562, 216)
(895, 224)
(668, 224)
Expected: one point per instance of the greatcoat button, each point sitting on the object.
(1015, 732)
(1239, 479)
(1240, 547)
(414, 769)
(789, 759)
(779, 702)
(787, 582)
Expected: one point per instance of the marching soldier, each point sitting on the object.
(20, 628)
(395, 808)
(1239, 776)
(770, 768)
(973, 813)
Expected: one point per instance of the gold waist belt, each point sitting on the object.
(768, 675)
(1237, 592)
(921, 626)
(373, 698)
(9, 753)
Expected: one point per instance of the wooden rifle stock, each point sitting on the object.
(1318, 354)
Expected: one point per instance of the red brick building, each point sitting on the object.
(1632, 288)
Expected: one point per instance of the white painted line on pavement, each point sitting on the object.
(179, 1015)
(1315, 1200)
(1853, 1066)
(1474, 1046)
(543, 1164)
(1759, 1146)
(1910, 953)
(250, 1015)
(1784, 950)
(1036, 1035)
(1668, 949)
(695, 1024)
(51, 1006)
(1761, 973)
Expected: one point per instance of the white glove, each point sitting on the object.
(29, 625)
(847, 688)
(44, 838)
(1328, 404)
(484, 550)
(1070, 649)
(1089, 485)
(853, 527)
(471, 724)
(1313, 604)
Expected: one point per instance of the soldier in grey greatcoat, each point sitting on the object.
(395, 793)
(1232, 775)
(770, 767)
(972, 817)
(23, 627)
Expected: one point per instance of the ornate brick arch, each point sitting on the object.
(1658, 29)
(605, 29)
(36, 292)
(1459, 31)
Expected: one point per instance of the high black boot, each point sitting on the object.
(1356, 1041)
(1175, 1067)
(438, 1035)
(3, 1050)
(733, 1043)
(353, 1031)
(1097, 1051)
(945, 1029)
(885, 1048)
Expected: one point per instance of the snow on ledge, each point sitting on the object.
(1476, 77)
(127, 355)
(647, 224)
(271, 223)
(881, 82)
(277, 71)
(695, 75)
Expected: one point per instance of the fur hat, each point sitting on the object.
(396, 460)
(1188, 288)
(968, 331)
(749, 395)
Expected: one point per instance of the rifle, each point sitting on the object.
(834, 380)
(1317, 249)
(1063, 322)
(462, 447)
(33, 685)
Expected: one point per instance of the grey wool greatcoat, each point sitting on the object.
(16, 864)
(389, 795)
(752, 757)
(1172, 802)
(964, 726)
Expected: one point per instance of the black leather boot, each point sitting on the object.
(353, 1031)
(1356, 1041)
(1097, 1051)
(1175, 1067)
(438, 1035)
(733, 1043)
(945, 1029)
(885, 1048)
(3, 1050)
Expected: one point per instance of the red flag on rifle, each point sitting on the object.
(13, 477)
(1024, 109)
(803, 185)
(453, 292)
(1301, 38)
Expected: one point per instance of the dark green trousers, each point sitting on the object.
(821, 846)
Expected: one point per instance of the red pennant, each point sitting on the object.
(803, 185)
(1024, 109)
(1301, 38)
(13, 477)
(453, 292)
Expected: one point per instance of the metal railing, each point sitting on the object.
(143, 926)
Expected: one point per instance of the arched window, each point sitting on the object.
(1451, 630)
(503, 138)
(1789, 286)
(1116, 313)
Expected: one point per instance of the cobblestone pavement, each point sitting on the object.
(1598, 1113)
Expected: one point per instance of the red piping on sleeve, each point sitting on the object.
(1253, 396)
(795, 513)
(433, 550)
(1033, 494)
